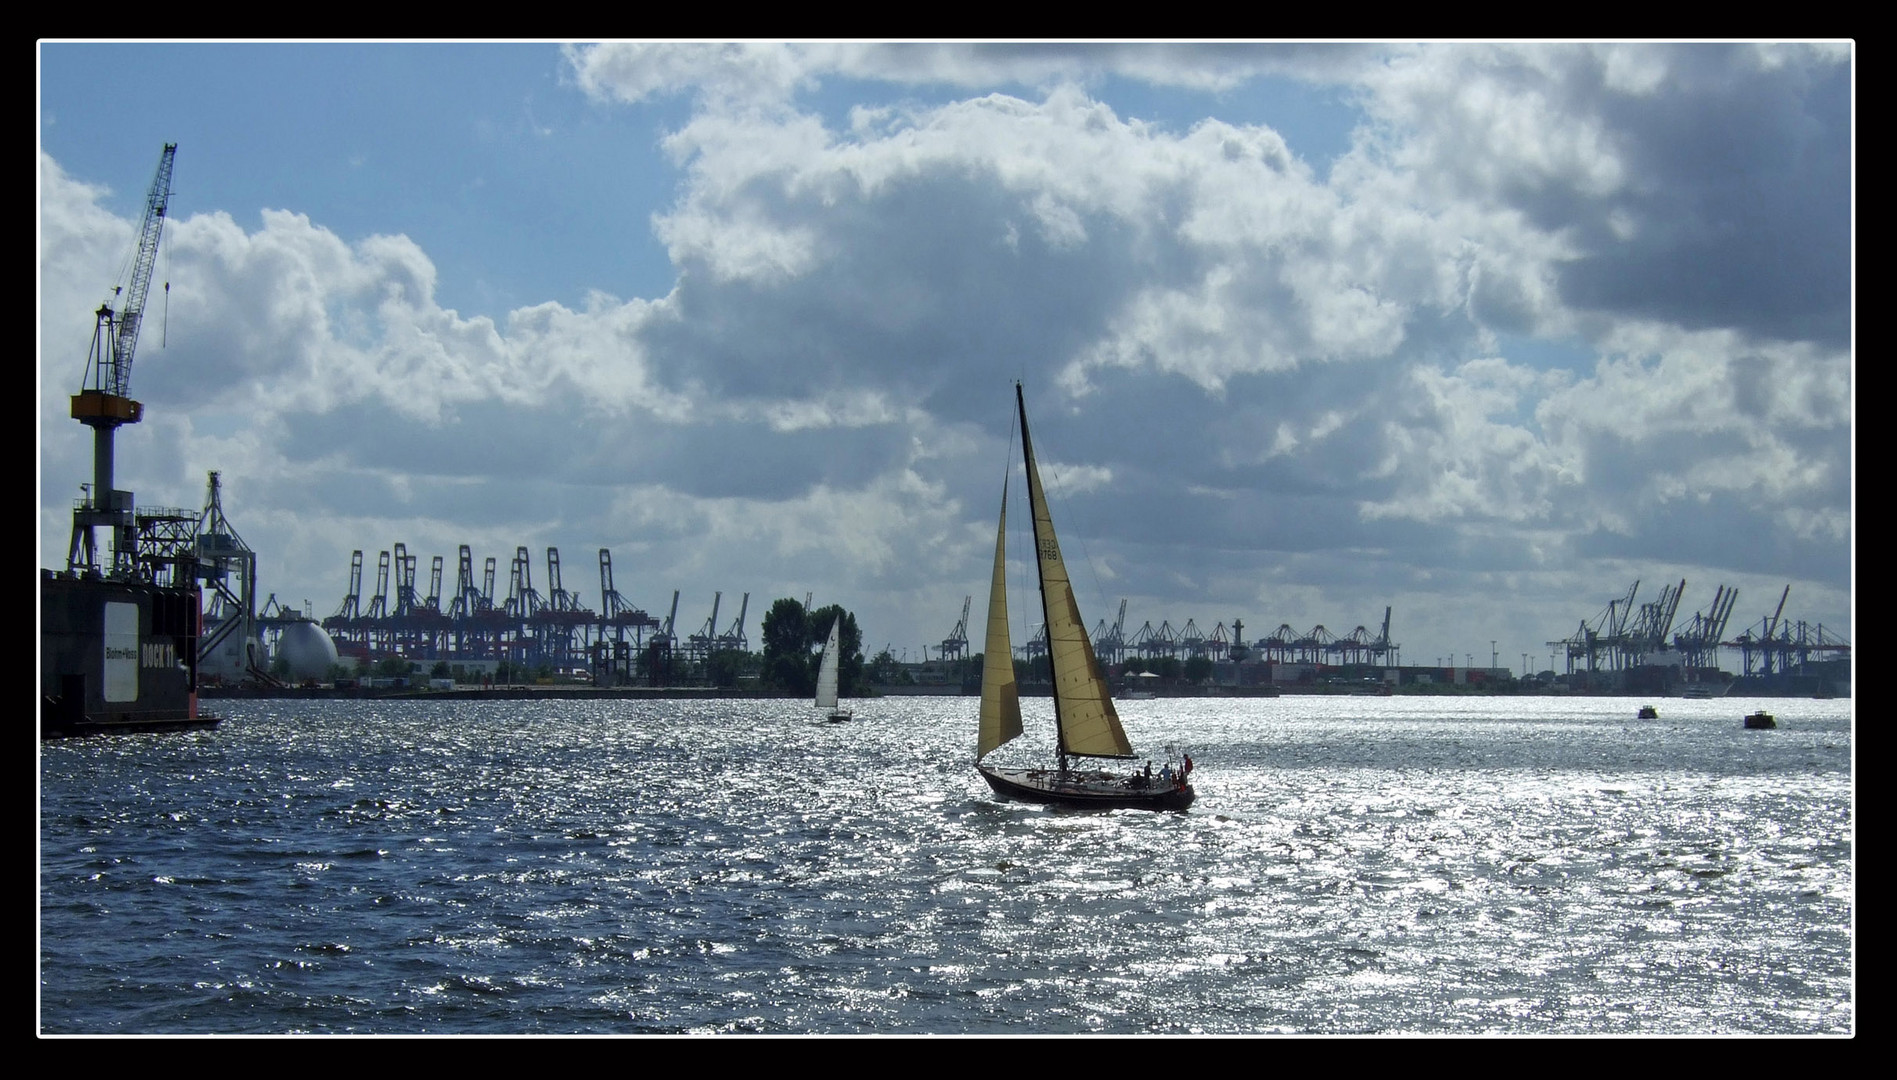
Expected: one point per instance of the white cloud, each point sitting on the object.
(1709, 414)
(1268, 371)
(1453, 454)
(764, 74)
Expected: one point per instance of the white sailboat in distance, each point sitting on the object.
(827, 676)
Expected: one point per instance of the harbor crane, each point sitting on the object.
(1110, 644)
(1698, 643)
(733, 638)
(955, 646)
(1762, 642)
(228, 567)
(432, 602)
(351, 608)
(104, 402)
(1771, 626)
(1655, 621)
(616, 612)
(379, 603)
(1603, 636)
(671, 640)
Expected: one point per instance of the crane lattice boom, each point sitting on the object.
(116, 338)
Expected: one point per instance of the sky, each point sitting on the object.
(1482, 333)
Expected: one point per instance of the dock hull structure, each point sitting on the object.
(117, 657)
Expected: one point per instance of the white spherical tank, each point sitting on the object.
(308, 649)
(229, 660)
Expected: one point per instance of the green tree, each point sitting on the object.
(723, 667)
(967, 669)
(654, 665)
(972, 671)
(849, 645)
(1198, 669)
(885, 671)
(787, 648)
(441, 670)
(1038, 670)
(392, 667)
(793, 646)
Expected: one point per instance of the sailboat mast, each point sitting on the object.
(1040, 562)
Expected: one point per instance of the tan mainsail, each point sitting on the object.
(1000, 698)
(1082, 707)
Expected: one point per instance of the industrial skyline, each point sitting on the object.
(470, 614)
(1478, 332)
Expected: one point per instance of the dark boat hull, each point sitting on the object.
(1099, 791)
(117, 657)
(138, 726)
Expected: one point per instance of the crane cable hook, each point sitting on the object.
(164, 315)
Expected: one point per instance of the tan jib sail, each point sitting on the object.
(1089, 726)
(1000, 698)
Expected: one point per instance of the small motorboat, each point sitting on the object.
(1648, 712)
(1760, 720)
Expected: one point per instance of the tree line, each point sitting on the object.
(793, 648)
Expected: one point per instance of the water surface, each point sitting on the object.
(1352, 865)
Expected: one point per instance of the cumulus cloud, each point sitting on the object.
(1265, 382)
(1705, 185)
(763, 73)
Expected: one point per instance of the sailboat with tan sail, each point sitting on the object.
(1086, 724)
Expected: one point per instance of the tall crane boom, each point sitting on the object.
(115, 337)
(104, 403)
(955, 646)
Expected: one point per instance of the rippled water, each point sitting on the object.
(1352, 865)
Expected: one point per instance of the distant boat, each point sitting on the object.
(1702, 692)
(1648, 712)
(1085, 723)
(1141, 690)
(827, 676)
(1760, 720)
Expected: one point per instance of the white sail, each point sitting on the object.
(1000, 697)
(1083, 708)
(827, 673)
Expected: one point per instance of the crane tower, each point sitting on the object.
(104, 403)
